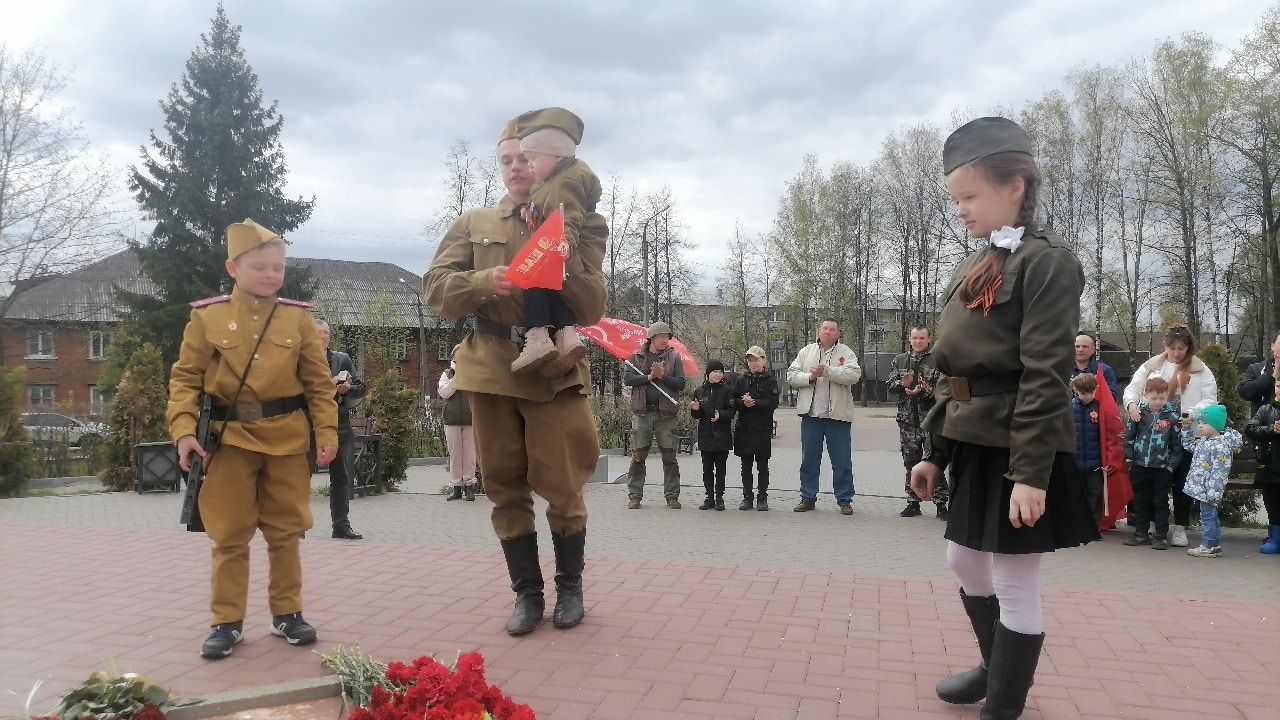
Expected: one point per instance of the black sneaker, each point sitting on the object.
(747, 504)
(846, 508)
(708, 504)
(943, 512)
(1138, 539)
(719, 504)
(293, 628)
(1159, 543)
(221, 639)
(911, 510)
(762, 503)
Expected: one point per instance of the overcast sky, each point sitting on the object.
(720, 100)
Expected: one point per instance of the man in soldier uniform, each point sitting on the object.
(349, 388)
(533, 434)
(260, 358)
(913, 378)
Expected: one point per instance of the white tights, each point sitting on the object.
(1013, 579)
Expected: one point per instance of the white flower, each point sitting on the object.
(1009, 238)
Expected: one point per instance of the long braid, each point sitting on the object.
(979, 287)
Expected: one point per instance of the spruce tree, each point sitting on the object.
(220, 161)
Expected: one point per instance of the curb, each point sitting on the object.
(234, 701)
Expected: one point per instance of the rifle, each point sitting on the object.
(195, 478)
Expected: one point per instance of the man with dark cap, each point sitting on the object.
(656, 377)
(533, 434)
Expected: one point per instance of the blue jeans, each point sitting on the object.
(1210, 528)
(838, 435)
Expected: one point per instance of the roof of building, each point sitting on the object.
(348, 293)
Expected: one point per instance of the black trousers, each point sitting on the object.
(1182, 502)
(340, 472)
(1150, 499)
(714, 469)
(762, 464)
(546, 308)
(1271, 501)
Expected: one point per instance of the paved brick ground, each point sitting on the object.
(691, 614)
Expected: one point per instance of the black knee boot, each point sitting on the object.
(1013, 669)
(526, 581)
(569, 563)
(970, 686)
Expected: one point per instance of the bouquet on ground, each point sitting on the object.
(424, 690)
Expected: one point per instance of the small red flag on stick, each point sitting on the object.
(540, 263)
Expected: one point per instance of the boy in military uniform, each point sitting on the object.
(548, 140)
(261, 360)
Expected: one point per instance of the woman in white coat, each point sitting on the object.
(1193, 387)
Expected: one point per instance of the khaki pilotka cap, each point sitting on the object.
(553, 117)
(982, 137)
(245, 236)
(510, 131)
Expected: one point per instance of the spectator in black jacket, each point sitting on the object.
(713, 407)
(1258, 380)
(755, 397)
(1264, 430)
(349, 388)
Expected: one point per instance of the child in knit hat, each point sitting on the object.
(713, 407)
(548, 140)
(1212, 450)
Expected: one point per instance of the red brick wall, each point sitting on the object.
(70, 371)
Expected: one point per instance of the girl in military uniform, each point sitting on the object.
(262, 361)
(1003, 424)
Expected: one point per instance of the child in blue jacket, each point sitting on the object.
(1210, 465)
(1152, 448)
(1085, 409)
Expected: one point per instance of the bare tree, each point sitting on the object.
(469, 182)
(55, 210)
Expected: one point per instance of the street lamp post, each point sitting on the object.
(422, 343)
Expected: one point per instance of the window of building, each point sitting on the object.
(780, 316)
(41, 395)
(442, 352)
(98, 403)
(98, 342)
(778, 355)
(399, 349)
(40, 342)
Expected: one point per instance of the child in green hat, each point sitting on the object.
(1212, 446)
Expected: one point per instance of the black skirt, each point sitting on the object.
(979, 517)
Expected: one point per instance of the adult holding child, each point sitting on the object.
(1003, 423)
(534, 434)
(1193, 388)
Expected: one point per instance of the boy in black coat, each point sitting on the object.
(755, 397)
(713, 407)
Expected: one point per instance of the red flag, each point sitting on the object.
(1117, 490)
(622, 339)
(540, 263)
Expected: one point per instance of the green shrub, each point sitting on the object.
(17, 454)
(389, 405)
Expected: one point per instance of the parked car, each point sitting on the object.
(55, 428)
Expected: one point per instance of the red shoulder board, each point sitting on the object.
(295, 303)
(210, 301)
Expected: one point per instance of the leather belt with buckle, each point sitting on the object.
(259, 411)
(507, 332)
(964, 389)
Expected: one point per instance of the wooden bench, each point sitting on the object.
(1244, 465)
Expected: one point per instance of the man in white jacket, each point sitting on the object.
(824, 372)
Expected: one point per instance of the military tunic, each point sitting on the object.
(258, 477)
(533, 435)
(1017, 426)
